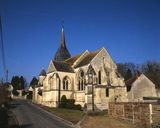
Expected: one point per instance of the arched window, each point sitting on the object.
(91, 75)
(99, 77)
(107, 92)
(81, 81)
(66, 83)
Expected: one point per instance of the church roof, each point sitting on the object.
(63, 66)
(76, 58)
(73, 59)
(42, 73)
(62, 52)
(88, 58)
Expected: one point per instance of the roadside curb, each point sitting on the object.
(81, 121)
(54, 116)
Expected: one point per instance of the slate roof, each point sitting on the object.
(42, 73)
(62, 52)
(88, 58)
(63, 66)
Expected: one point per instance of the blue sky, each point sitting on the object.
(128, 29)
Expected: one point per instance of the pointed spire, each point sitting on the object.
(62, 43)
(62, 52)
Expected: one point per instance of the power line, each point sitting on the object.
(3, 53)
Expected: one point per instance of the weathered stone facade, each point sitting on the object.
(91, 78)
(104, 85)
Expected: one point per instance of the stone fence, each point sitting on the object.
(143, 113)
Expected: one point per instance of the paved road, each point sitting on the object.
(29, 116)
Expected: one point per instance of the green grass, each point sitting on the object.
(68, 114)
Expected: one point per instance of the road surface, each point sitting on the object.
(29, 116)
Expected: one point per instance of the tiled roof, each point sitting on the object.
(132, 80)
(63, 66)
(88, 58)
(73, 59)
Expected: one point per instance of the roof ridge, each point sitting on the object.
(88, 58)
(97, 50)
(76, 55)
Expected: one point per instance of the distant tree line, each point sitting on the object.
(18, 83)
(150, 68)
(34, 82)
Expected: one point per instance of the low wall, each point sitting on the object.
(144, 113)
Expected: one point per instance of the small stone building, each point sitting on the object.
(91, 78)
(140, 87)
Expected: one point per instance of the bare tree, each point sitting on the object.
(152, 70)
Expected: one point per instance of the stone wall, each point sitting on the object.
(36, 97)
(79, 97)
(143, 113)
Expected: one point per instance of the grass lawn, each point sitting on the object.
(105, 121)
(68, 114)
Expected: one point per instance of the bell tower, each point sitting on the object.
(62, 52)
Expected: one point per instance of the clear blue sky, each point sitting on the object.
(128, 29)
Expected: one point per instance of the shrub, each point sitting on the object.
(78, 107)
(69, 103)
(63, 101)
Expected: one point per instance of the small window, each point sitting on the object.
(99, 77)
(79, 85)
(65, 83)
(107, 92)
(81, 81)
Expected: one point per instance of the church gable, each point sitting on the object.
(51, 67)
(143, 80)
(104, 59)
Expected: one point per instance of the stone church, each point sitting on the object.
(91, 78)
